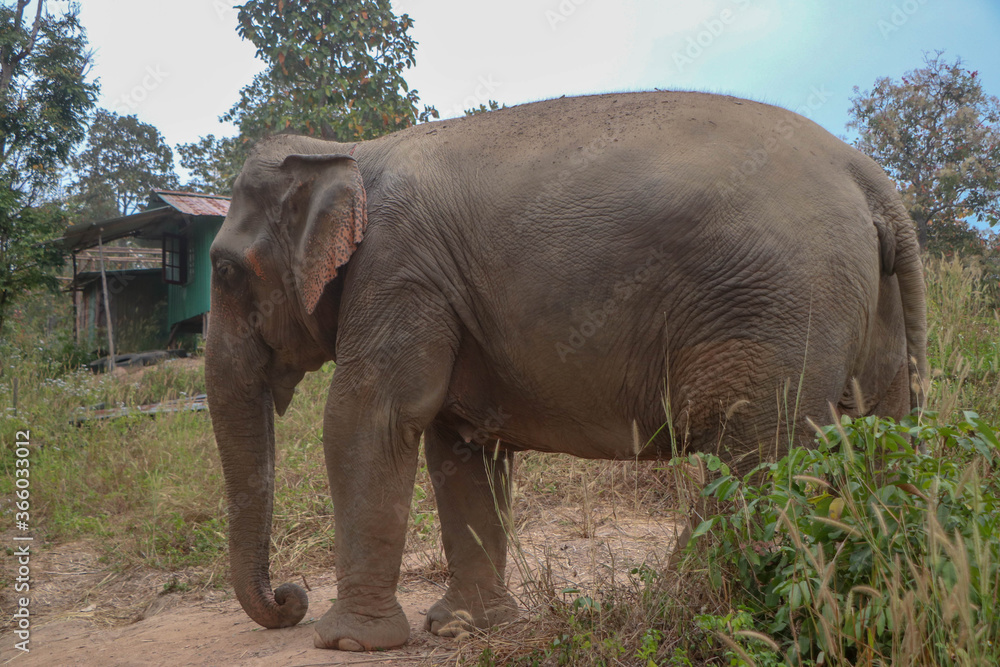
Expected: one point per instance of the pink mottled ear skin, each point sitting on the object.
(335, 229)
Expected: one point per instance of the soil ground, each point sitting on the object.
(84, 614)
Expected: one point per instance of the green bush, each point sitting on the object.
(866, 550)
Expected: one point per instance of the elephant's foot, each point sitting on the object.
(360, 631)
(457, 615)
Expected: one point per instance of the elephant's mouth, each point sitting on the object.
(282, 382)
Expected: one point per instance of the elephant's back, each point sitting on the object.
(599, 154)
(558, 129)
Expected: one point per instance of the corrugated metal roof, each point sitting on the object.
(163, 209)
(85, 234)
(193, 203)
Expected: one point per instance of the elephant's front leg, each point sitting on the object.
(371, 439)
(472, 489)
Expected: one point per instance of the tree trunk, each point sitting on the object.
(921, 223)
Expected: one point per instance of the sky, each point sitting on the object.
(179, 65)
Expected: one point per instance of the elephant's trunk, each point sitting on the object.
(243, 421)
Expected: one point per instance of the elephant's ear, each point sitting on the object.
(329, 202)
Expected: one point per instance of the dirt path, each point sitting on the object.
(218, 634)
(84, 615)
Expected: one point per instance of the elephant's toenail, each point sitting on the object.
(348, 644)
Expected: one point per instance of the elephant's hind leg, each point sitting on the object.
(472, 489)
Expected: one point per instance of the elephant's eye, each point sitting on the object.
(224, 268)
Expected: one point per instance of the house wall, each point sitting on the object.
(138, 311)
(194, 298)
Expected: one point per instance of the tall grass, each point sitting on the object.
(146, 491)
(963, 343)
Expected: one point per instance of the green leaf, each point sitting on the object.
(702, 528)
(353, 55)
(714, 484)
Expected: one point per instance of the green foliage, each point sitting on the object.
(625, 624)
(482, 108)
(954, 238)
(175, 585)
(41, 328)
(213, 163)
(937, 134)
(732, 635)
(44, 97)
(27, 262)
(866, 549)
(44, 100)
(182, 540)
(124, 159)
(334, 70)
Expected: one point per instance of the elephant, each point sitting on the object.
(616, 276)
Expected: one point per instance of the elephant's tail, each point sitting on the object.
(900, 255)
(910, 273)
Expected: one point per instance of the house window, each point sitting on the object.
(175, 259)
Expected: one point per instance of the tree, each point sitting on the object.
(937, 134)
(124, 159)
(44, 101)
(213, 163)
(28, 261)
(335, 70)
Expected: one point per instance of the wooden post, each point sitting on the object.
(76, 306)
(107, 305)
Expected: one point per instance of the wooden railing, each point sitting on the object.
(118, 258)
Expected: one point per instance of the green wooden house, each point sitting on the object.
(154, 287)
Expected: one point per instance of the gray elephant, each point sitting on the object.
(564, 276)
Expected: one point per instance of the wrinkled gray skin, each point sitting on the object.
(542, 277)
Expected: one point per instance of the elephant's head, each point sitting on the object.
(277, 269)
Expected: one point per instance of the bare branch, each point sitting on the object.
(8, 59)
(21, 4)
(34, 31)
(34, 28)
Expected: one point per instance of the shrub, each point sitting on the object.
(867, 550)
